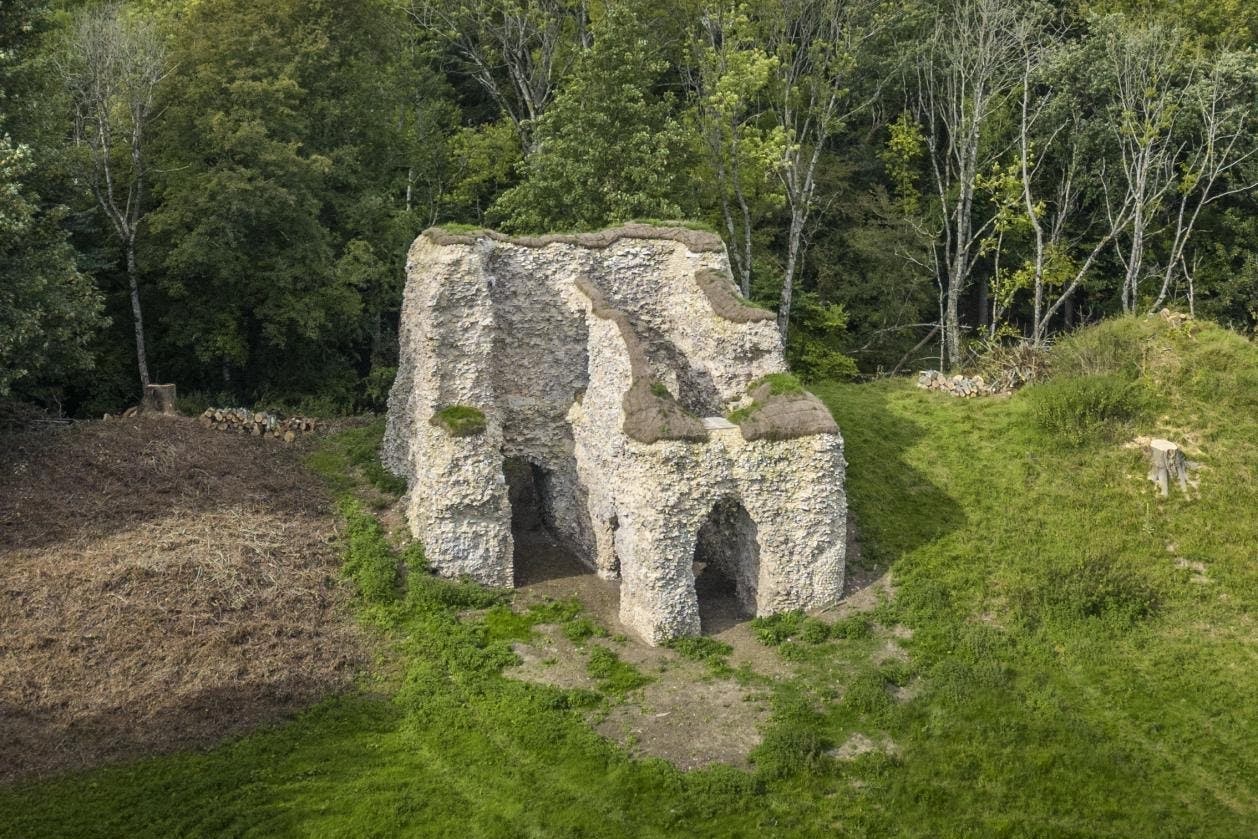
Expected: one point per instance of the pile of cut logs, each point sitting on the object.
(257, 423)
(964, 386)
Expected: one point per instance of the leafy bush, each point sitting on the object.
(867, 694)
(376, 387)
(852, 627)
(795, 742)
(814, 631)
(1077, 409)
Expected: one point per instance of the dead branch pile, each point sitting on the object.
(257, 423)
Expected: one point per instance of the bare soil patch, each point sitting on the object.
(686, 715)
(161, 586)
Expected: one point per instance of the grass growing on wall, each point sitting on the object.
(1081, 661)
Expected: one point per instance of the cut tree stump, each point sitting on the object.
(1167, 464)
(159, 399)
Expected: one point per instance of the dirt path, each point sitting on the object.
(686, 715)
(161, 586)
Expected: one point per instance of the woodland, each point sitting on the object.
(220, 193)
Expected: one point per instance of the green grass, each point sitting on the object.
(353, 455)
(614, 677)
(460, 420)
(1069, 678)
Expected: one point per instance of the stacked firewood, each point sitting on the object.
(963, 386)
(257, 423)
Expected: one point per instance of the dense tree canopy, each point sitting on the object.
(901, 181)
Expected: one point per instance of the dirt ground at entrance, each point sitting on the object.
(686, 714)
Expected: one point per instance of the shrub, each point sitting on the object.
(1077, 409)
(794, 743)
(1100, 587)
(852, 627)
(814, 631)
(867, 694)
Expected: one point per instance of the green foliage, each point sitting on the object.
(779, 384)
(614, 677)
(853, 627)
(607, 148)
(1077, 410)
(707, 650)
(369, 560)
(460, 420)
(1067, 675)
(778, 629)
(902, 157)
(1110, 589)
(795, 744)
(49, 311)
(817, 339)
(341, 458)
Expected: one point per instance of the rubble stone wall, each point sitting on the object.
(569, 345)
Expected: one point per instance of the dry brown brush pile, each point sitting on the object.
(161, 586)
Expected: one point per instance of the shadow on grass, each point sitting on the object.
(898, 507)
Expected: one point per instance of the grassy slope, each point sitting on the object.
(1071, 679)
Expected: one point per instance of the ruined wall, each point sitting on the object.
(606, 361)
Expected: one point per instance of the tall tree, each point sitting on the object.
(968, 71)
(728, 78)
(112, 65)
(609, 146)
(48, 309)
(818, 46)
(247, 253)
(517, 51)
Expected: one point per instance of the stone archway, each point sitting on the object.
(726, 566)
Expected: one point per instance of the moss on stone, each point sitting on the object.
(780, 409)
(459, 420)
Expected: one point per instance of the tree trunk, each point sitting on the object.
(788, 280)
(1167, 464)
(159, 399)
(137, 316)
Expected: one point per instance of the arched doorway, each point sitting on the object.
(726, 566)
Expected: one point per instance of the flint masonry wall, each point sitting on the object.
(606, 360)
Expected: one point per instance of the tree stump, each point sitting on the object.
(159, 399)
(1167, 464)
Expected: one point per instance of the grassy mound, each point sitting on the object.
(1067, 654)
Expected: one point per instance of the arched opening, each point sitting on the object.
(726, 566)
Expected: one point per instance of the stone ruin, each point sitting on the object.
(592, 375)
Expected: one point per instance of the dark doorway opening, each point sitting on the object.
(540, 554)
(726, 567)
